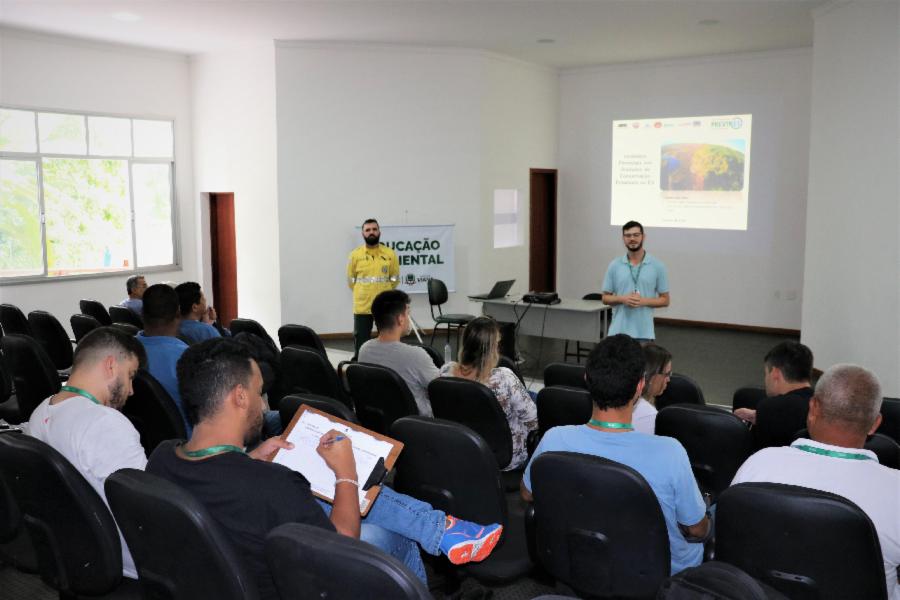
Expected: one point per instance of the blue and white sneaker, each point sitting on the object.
(465, 541)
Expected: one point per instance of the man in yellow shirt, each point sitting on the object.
(371, 269)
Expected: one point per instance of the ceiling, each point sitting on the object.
(573, 32)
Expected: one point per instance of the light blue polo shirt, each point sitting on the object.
(662, 461)
(163, 353)
(652, 280)
(197, 331)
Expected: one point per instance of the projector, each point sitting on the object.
(541, 298)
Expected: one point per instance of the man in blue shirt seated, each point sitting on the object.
(614, 376)
(198, 321)
(161, 319)
(135, 286)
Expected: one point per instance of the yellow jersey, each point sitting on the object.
(371, 271)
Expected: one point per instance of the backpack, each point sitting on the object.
(716, 581)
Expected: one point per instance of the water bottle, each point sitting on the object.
(448, 353)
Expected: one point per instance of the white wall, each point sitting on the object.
(43, 71)
(234, 151)
(408, 136)
(851, 308)
(753, 277)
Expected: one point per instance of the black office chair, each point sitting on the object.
(437, 295)
(379, 395)
(807, 544)
(6, 381)
(474, 405)
(581, 351)
(95, 309)
(435, 356)
(153, 412)
(716, 441)
(505, 361)
(681, 390)
(120, 314)
(33, 374)
(13, 321)
(128, 328)
(250, 326)
(451, 467)
(557, 374)
(179, 550)
(289, 405)
(15, 544)
(890, 418)
(561, 405)
(598, 526)
(83, 325)
(311, 562)
(300, 335)
(884, 447)
(74, 535)
(49, 332)
(304, 370)
(747, 397)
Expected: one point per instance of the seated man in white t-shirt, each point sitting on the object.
(842, 412)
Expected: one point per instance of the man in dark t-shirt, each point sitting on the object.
(221, 388)
(778, 417)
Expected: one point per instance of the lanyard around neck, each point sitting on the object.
(610, 424)
(202, 452)
(636, 276)
(80, 392)
(833, 453)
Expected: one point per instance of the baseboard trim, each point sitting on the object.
(729, 326)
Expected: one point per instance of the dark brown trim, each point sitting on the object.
(729, 326)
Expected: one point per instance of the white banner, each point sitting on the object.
(424, 251)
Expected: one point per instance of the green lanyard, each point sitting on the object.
(635, 277)
(833, 453)
(80, 392)
(211, 450)
(609, 424)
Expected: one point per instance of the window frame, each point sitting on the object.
(38, 156)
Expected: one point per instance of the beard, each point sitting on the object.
(254, 431)
(634, 248)
(373, 239)
(117, 395)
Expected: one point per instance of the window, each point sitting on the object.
(84, 194)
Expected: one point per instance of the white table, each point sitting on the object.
(571, 319)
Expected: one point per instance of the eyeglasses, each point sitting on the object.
(666, 374)
(631, 235)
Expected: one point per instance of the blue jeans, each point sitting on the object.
(398, 524)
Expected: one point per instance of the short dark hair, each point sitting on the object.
(107, 340)
(132, 282)
(208, 371)
(367, 221)
(160, 305)
(188, 295)
(631, 224)
(614, 369)
(793, 359)
(387, 306)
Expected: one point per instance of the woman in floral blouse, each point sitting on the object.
(478, 358)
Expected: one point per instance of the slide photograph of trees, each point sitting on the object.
(702, 167)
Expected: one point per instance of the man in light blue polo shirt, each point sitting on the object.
(634, 285)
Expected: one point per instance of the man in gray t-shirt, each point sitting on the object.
(390, 310)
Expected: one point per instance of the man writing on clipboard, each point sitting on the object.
(634, 285)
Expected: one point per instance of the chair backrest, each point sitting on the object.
(300, 335)
(304, 370)
(593, 296)
(153, 412)
(83, 325)
(561, 405)
(179, 550)
(54, 339)
(884, 447)
(13, 320)
(250, 326)
(6, 380)
(74, 536)
(435, 356)
(505, 361)
(747, 397)
(556, 374)
(95, 309)
(599, 526)
(379, 395)
(311, 562)
(290, 404)
(474, 405)
(716, 441)
(127, 328)
(437, 292)
(774, 532)
(681, 390)
(120, 314)
(33, 374)
(449, 466)
(890, 418)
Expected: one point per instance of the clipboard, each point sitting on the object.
(375, 454)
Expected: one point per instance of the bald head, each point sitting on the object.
(849, 396)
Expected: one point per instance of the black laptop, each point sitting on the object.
(500, 289)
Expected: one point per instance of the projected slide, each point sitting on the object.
(685, 172)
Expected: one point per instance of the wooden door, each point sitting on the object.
(542, 252)
(224, 256)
